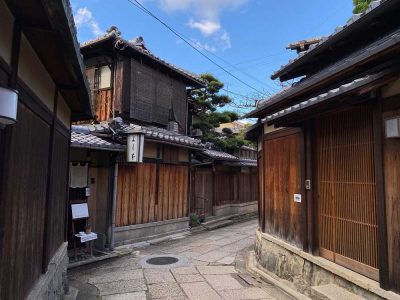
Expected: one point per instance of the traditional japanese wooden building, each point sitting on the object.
(40, 59)
(328, 162)
(133, 88)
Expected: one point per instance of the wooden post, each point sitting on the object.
(47, 213)
(311, 222)
(380, 196)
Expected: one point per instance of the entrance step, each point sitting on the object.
(332, 292)
(214, 224)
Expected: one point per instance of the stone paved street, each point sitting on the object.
(211, 265)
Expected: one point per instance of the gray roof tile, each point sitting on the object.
(87, 140)
(344, 88)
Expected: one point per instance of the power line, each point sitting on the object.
(144, 9)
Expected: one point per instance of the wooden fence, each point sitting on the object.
(149, 192)
(232, 187)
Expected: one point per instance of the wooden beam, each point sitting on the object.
(15, 47)
(380, 196)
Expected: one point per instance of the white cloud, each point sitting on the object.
(202, 46)
(224, 40)
(205, 16)
(206, 27)
(84, 18)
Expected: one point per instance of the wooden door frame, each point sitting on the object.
(304, 208)
(383, 261)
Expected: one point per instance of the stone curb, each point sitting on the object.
(253, 267)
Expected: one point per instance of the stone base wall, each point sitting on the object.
(301, 270)
(137, 233)
(53, 283)
(236, 209)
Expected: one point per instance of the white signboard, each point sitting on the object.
(79, 211)
(297, 198)
(134, 150)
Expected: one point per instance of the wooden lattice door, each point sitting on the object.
(346, 190)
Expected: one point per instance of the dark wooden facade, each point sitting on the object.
(325, 140)
(126, 83)
(34, 151)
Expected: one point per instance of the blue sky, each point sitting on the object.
(249, 34)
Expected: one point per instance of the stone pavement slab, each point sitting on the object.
(184, 270)
(246, 293)
(223, 282)
(126, 296)
(158, 276)
(120, 287)
(216, 270)
(165, 290)
(189, 278)
(200, 291)
(117, 276)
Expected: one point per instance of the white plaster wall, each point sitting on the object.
(63, 111)
(34, 74)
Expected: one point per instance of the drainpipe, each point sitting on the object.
(114, 205)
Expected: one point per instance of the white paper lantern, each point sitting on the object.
(134, 145)
(8, 106)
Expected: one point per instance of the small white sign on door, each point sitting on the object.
(79, 211)
(297, 198)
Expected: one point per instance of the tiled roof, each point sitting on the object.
(243, 163)
(151, 132)
(354, 19)
(342, 89)
(87, 140)
(346, 62)
(162, 134)
(219, 155)
(122, 44)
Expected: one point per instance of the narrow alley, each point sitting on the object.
(204, 265)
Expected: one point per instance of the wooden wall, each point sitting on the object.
(392, 194)
(151, 192)
(202, 191)
(282, 179)
(233, 186)
(30, 232)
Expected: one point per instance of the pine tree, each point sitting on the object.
(360, 6)
(205, 102)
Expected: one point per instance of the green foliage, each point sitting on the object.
(360, 5)
(206, 101)
(194, 220)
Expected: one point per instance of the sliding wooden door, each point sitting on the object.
(346, 187)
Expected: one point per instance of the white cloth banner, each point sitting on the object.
(78, 176)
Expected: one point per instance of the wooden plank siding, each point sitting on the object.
(282, 178)
(103, 104)
(232, 187)
(144, 198)
(347, 190)
(202, 191)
